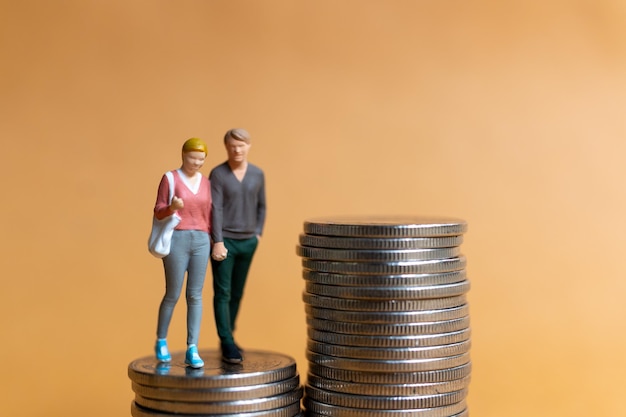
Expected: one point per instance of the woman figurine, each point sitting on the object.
(190, 247)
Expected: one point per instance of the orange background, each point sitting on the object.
(505, 113)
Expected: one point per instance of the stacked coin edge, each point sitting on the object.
(387, 317)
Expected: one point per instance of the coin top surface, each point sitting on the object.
(258, 367)
(387, 226)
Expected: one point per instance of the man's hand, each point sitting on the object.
(219, 251)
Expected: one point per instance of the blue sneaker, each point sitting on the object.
(161, 350)
(192, 358)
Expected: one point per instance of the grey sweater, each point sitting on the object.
(238, 208)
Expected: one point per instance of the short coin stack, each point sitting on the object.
(266, 384)
(387, 315)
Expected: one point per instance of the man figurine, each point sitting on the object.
(238, 217)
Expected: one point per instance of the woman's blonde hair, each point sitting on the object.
(194, 145)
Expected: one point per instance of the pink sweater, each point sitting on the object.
(196, 215)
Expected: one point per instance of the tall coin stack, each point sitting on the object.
(387, 317)
(266, 384)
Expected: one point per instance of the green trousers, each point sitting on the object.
(229, 280)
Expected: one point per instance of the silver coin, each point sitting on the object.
(388, 226)
(383, 305)
(390, 293)
(313, 407)
(222, 407)
(405, 329)
(381, 402)
(259, 368)
(352, 352)
(389, 341)
(369, 377)
(464, 413)
(217, 394)
(362, 255)
(383, 365)
(394, 317)
(293, 410)
(388, 390)
(387, 268)
(414, 280)
(333, 242)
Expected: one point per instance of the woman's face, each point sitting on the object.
(193, 161)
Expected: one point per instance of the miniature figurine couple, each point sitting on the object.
(222, 215)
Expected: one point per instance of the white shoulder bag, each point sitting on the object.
(160, 239)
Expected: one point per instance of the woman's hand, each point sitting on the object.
(177, 204)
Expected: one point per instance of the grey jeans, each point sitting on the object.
(189, 254)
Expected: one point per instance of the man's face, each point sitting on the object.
(237, 150)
